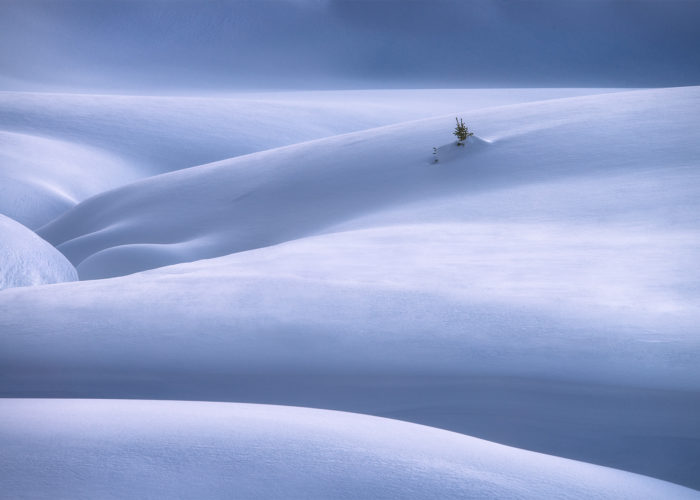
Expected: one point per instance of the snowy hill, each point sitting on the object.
(242, 254)
(59, 149)
(531, 323)
(537, 289)
(167, 449)
(26, 259)
(281, 194)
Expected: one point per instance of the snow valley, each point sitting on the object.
(516, 320)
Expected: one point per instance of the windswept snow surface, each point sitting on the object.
(26, 259)
(536, 288)
(158, 449)
(59, 149)
(165, 133)
(281, 194)
(40, 178)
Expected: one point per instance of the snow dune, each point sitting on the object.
(588, 303)
(59, 149)
(281, 194)
(26, 259)
(537, 288)
(40, 178)
(575, 341)
(160, 134)
(156, 449)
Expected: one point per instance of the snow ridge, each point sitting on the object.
(535, 288)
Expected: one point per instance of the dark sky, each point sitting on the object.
(137, 45)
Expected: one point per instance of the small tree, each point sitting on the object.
(462, 132)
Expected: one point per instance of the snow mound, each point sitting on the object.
(277, 195)
(163, 449)
(26, 259)
(487, 328)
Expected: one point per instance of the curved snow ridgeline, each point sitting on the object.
(539, 290)
(536, 288)
(166, 449)
(282, 194)
(58, 149)
(26, 259)
(40, 178)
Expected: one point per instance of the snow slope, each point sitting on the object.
(165, 133)
(59, 149)
(595, 303)
(26, 259)
(147, 449)
(491, 330)
(533, 289)
(40, 178)
(277, 195)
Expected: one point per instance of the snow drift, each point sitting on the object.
(537, 288)
(277, 195)
(26, 259)
(40, 178)
(165, 133)
(59, 149)
(124, 449)
(590, 331)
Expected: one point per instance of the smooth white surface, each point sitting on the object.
(40, 178)
(571, 145)
(72, 449)
(537, 287)
(59, 149)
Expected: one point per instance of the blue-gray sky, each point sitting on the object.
(137, 45)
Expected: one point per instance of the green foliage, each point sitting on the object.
(462, 132)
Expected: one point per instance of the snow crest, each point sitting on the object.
(166, 449)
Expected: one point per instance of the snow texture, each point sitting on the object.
(165, 449)
(287, 193)
(538, 288)
(40, 178)
(59, 149)
(26, 259)
(237, 262)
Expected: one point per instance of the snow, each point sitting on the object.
(296, 191)
(536, 288)
(169, 449)
(59, 149)
(236, 261)
(468, 323)
(40, 178)
(26, 259)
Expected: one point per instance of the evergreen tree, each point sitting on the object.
(462, 132)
